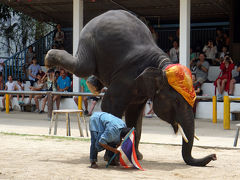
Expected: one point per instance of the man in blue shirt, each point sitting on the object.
(63, 84)
(106, 133)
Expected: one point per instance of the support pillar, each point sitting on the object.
(184, 40)
(77, 27)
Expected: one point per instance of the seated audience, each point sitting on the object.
(210, 51)
(222, 82)
(202, 67)
(9, 86)
(193, 58)
(38, 87)
(20, 87)
(34, 69)
(234, 80)
(1, 82)
(174, 52)
(63, 84)
(51, 86)
(223, 53)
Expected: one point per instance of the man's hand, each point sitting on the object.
(114, 150)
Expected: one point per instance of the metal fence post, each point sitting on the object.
(7, 103)
(226, 113)
(214, 101)
(50, 104)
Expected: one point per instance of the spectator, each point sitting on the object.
(2, 65)
(34, 69)
(226, 40)
(154, 34)
(210, 51)
(57, 74)
(20, 87)
(223, 53)
(84, 88)
(9, 86)
(202, 69)
(29, 56)
(59, 36)
(197, 88)
(174, 52)
(51, 86)
(38, 87)
(63, 84)
(222, 82)
(1, 82)
(219, 39)
(234, 80)
(193, 58)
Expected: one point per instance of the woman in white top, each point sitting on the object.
(9, 86)
(20, 87)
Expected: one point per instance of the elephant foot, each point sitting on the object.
(94, 85)
(139, 155)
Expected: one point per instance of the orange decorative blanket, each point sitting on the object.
(180, 78)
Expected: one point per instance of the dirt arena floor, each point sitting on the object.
(38, 157)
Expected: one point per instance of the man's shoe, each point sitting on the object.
(94, 165)
(41, 111)
(3, 109)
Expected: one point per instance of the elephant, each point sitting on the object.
(116, 50)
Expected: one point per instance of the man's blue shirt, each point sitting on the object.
(63, 83)
(108, 127)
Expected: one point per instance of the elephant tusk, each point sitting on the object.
(183, 134)
(196, 137)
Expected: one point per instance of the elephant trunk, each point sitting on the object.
(188, 128)
(75, 65)
(62, 59)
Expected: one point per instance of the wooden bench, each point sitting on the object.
(237, 134)
(67, 112)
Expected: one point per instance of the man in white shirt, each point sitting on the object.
(174, 53)
(9, 86)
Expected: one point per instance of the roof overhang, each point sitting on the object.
(157, 11)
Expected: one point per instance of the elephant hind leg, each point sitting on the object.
(133, 117)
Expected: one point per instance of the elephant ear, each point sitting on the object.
(150, 81)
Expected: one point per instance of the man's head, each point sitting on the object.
(19, 81)
(10, 78)
(193, 77)
(34, 60)
(201, 57)
(63, 73)
(224, 49)
(30, 49)
(175, 44)
(124, 132)
(59, 27)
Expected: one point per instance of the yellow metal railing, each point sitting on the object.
(226, 112)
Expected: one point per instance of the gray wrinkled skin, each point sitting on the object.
(119, 51)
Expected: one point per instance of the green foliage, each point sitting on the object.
(17, 30)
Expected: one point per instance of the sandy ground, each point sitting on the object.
(36, 157)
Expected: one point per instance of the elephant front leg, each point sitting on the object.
(133, 116)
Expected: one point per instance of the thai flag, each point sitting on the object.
(128, 157)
